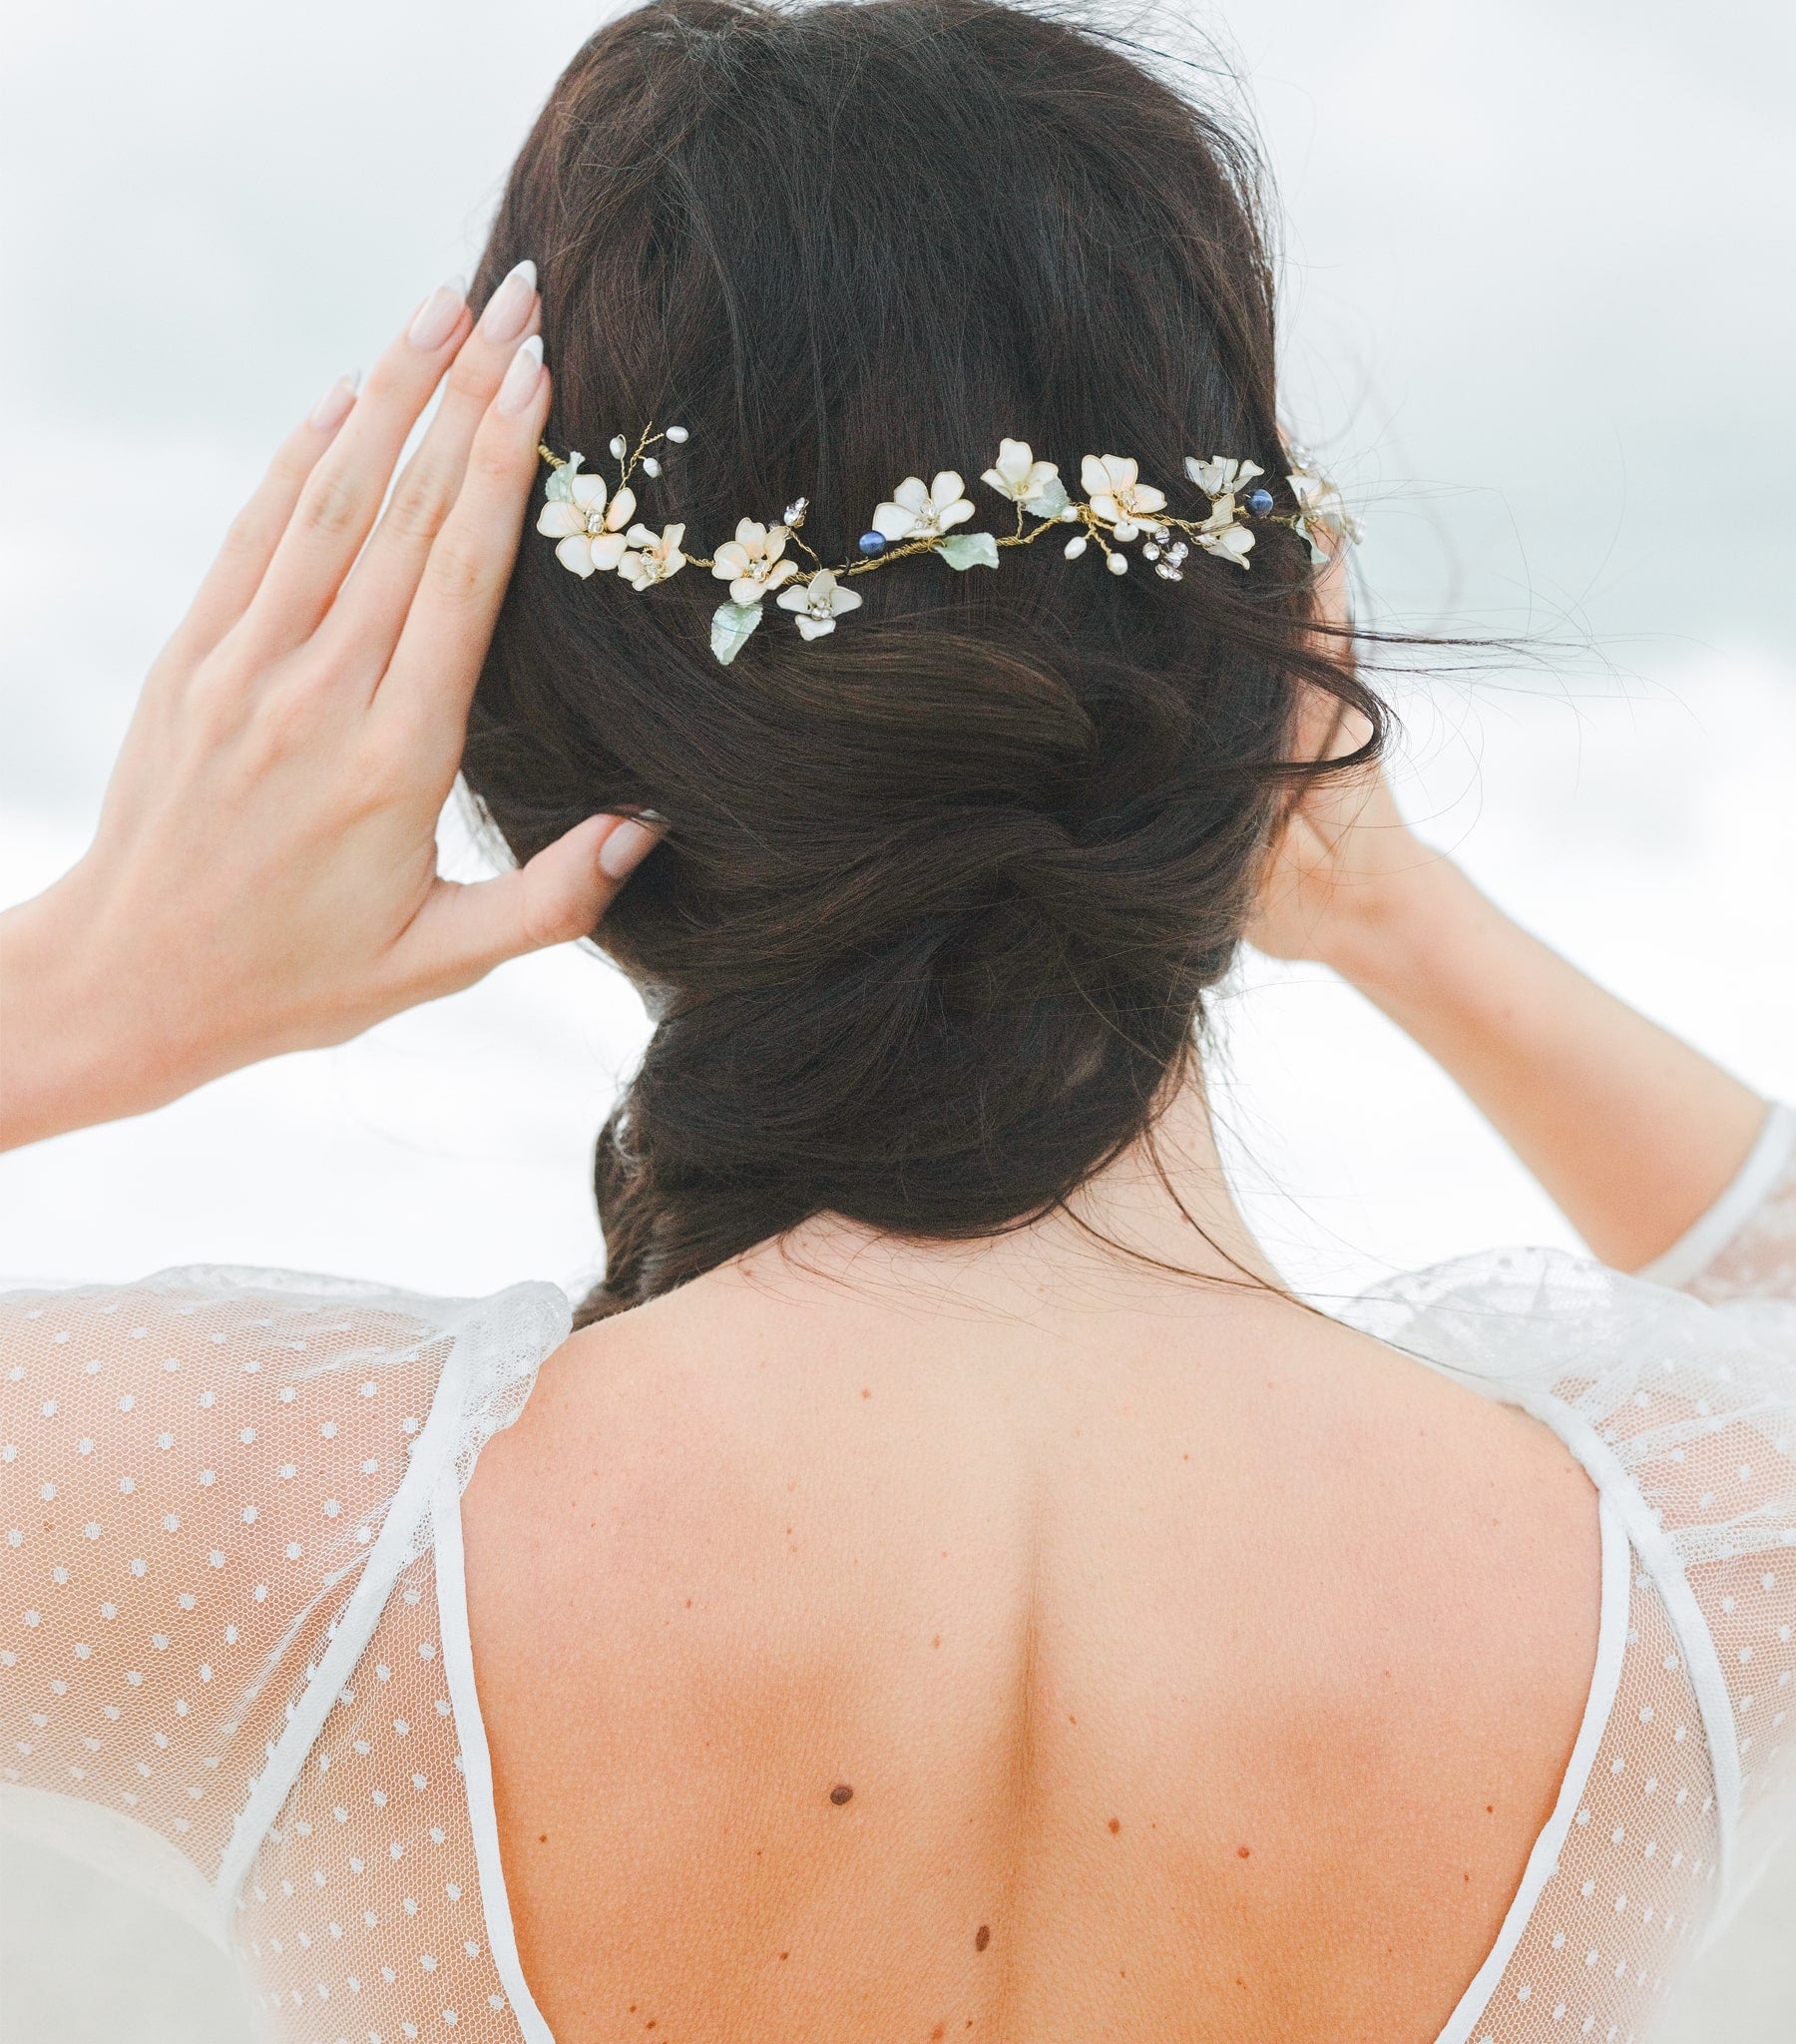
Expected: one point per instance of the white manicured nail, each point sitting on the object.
(509, 307)
(334, 407)
(625, 849)
(436, 320)
(521, 379)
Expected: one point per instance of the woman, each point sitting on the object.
(946, 1586)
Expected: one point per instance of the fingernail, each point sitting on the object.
(509, 307)
(334, 407)
(436, 318)
(521, 379)
(625, 849)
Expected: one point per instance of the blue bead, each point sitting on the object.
(1260, 503)
(872, 543)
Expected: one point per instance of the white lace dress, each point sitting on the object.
(235, 1664)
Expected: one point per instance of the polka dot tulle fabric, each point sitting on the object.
(219, 1501)
(235, 1664)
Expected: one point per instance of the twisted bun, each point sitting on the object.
(941, 894)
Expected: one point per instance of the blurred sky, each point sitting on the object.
(1537, 292)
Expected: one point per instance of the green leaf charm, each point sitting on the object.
(732, 622)
(965, 550)
(559, 487)
(1052, 501)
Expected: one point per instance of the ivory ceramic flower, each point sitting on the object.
(1222, 475)
(1321, 509)
(1111, 486)
(752, 562)
(657, 555)
(588, 529)
(916, 512)
(819, 602)
(1223, 534)
(1017, 474)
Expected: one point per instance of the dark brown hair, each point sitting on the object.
(941, 894)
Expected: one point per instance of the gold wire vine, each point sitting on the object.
(1095, 527)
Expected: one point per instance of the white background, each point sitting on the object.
(1537, 292)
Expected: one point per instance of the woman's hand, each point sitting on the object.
(1347, 879)
(263, 875)
(1349, 884)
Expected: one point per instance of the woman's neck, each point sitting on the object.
(1132, 1238)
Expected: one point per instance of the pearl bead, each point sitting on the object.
(872, 543)
(1260, 503)
(677, 434)
(1117, 564)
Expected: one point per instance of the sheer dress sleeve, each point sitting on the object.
(1681, 1406)
(210, 1483)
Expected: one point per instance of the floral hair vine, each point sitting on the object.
(593, 527)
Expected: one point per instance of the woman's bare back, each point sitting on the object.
(1185, 1668)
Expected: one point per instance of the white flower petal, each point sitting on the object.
(895, 521)
(642, 536)
(608, 549)
(750, 535)
(778, 571)
(947, 487)
(588, 491)
(912, 495)
(956, 513)
(731, 561)
(747, 589)
(559, 519)
(1094, 477)
(814, 628)
(620, 511)
(793, 599)
(1144, 497)
(841, 599)
(574, 552)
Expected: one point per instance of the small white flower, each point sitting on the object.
(1321, 509)
(1223, 534)
(916, 512)
(752, 562)
(818, 602)
(657, 557)
(587, 528)
(1109, 483)
(1017, 474)
(1221, 475)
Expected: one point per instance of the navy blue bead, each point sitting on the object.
(1260, 503)
(872, 543)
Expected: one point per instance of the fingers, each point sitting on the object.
(423, 698)
(339, 499)
(370, 612)
(562, 894)
(254, 533)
